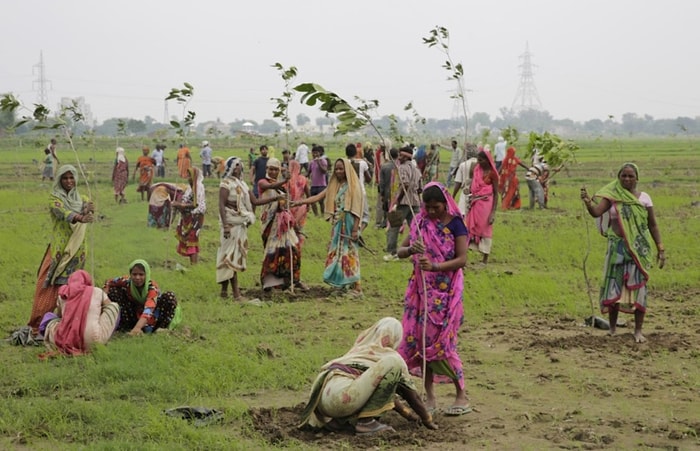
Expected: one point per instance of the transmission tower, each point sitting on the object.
(526, 98)
(166, 118)
(40, 84)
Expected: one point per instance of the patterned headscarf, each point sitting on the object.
(70, 199)
(141, 295)
(231, 163)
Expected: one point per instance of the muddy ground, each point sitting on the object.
(539, 382)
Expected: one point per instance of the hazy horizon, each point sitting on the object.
(591, 60)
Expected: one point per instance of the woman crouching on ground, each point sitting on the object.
(142, 306)
(354, 390)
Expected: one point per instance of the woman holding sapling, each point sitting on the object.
(70, 213)
(626, 217)
(437, 246)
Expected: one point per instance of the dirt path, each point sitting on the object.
(548, 383)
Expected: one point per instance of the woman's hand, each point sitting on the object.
(416, 247)
(584, 196)
(135, 332)
(425, 264)
(87, 217)
(492, 217)
(227, 232)
(661, 258)
(89, 207)
(427, 421)
(354, 235)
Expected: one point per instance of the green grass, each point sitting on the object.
(227, 354)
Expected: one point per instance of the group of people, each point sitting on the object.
(352, 391)
(68, 310)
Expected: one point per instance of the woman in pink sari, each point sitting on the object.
(484, 199)
(437, 244)
(85, 316)
(298, 189)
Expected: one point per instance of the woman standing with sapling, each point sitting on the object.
(626, 218)
(67, 253)
(433, 307)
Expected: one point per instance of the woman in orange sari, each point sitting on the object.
(508, 186)
(146, 167)
(184, 161)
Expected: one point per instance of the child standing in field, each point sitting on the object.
(47, 173)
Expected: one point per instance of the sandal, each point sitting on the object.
(373, 427)
(455, 411)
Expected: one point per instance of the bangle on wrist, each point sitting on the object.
(433, 266)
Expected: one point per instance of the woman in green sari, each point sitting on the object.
(626, 217)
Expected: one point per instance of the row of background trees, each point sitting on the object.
(630, 124)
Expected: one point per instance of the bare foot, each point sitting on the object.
(639, 338)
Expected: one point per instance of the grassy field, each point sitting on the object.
(242, 357)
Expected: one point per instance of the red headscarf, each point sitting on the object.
(76, 295)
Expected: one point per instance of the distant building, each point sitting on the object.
(83, 108)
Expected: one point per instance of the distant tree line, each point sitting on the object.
(481, 124)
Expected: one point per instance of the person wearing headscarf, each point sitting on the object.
(70, 213)
(161, 196)
(145, 166)
(143, 308)
(183, 161)
(483, 202)
(626, 218)
(281, 266)
(120, 175)
(298, 189)
(353, 391)
(192, 208)
(343, 208)
(85, 317)
(235, 215)
(437, 246)
(508, 184)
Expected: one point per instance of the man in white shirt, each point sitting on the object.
(455, 160)
(205, 153)
(157, 156)
(499, 151)
(302, 156)
(463, 179)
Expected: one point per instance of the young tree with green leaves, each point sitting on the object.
(183, 97)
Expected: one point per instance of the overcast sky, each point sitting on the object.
(591, 58)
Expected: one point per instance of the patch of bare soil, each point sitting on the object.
(547, 382)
